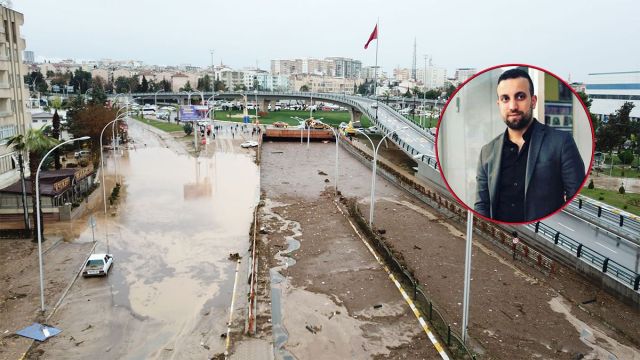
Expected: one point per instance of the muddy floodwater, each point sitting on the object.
(178, 219)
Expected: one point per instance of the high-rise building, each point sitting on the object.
(345, 67)
(29, 57)
(14, 117)
(434, 78)
(464, 74)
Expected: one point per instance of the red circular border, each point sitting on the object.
(593, 143)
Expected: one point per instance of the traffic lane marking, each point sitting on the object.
(613, 251)
(566, 227)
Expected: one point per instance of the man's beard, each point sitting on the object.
(523, 122)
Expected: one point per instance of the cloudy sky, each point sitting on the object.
(566, 37)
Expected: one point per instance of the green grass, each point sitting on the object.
(622, 173)
(328, 117)
(627, 202)
(162, 125)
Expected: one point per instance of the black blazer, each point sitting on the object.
(554, 171)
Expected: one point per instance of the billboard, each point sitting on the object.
(189, 113)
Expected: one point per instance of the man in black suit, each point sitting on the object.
(530, 170)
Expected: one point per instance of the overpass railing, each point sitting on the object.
(593, 258)
(609, 217)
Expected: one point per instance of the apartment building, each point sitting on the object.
(14, 117)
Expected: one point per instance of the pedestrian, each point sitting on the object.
(514, 243)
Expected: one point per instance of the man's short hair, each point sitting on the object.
(515, 74)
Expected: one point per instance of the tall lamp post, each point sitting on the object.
(155, 97)
(374, 168)
(104, 190)
(335, 134)
(39, 220)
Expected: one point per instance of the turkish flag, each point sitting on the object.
(373, 36)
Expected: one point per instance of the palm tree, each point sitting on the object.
(55, 133)
(387, 95)
(36, 143)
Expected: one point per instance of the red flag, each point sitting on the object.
(373, 36)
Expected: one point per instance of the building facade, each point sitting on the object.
(610, 90)
(15, 119)
(464, 74)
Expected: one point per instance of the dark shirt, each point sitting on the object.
(513, 170)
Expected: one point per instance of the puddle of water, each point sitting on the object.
(279, 282)
(602, 346)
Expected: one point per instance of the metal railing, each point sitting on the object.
(439, 323)
(591, 257)
(608, 216)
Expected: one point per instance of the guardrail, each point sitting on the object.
(610, 218)
(607, 266)
(440, 323)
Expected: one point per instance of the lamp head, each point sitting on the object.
(84, 138)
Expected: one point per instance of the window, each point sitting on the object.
(6, 131)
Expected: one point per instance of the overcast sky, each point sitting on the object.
(566, 37)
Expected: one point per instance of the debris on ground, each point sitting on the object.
(235, 256)
(320, 172)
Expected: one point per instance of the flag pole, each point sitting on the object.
(375, 80)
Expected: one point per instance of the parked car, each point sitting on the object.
(81, 153)
(248, 144)
(372, 130)
(98, 265)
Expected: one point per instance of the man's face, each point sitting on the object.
(516, 103)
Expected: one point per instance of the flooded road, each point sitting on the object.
(176, 223)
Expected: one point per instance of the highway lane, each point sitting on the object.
(597, 239)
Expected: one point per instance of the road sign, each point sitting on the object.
(92, 221)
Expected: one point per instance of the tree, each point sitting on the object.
(595, 120)
(165, 85)
(220, 86)
(36, 144)
(98, 96)
(304, 88)
(204, 83)
(613, 133)
(187, 87)
(144, 86)
(81, 80)
(55, 133)
(36, 81)
(122, 85)
(432, 94)
(387, 95)
(188, 128)
(626, 157)
(89, 121)
(239, 87)
(449, 89)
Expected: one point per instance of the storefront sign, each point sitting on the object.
(61, 185)
(83, 172)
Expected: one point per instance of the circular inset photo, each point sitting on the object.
(514, 144)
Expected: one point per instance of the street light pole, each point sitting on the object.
(104, 190)
(467, 276)
(335, 134)
(39, 220)
(374, 168)
(155, 98)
